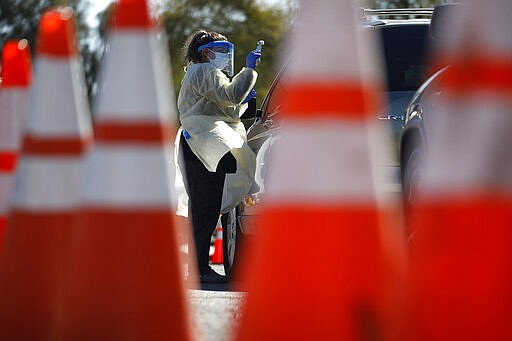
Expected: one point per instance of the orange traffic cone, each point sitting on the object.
(321, 180)
(47, 186)
(218, 254)
(127, 280)
(460, 258)
(15, 78)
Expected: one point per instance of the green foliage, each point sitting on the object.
(243, 22)
(19, 19)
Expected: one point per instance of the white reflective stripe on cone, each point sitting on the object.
(13, 106)
(321, 162)
(46, 185)
(54, 101)
(127, 99)
(463, 160)
(140, 185)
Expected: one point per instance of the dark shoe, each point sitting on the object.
(213, 278)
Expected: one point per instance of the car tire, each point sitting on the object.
(411, 187)
(231, 240)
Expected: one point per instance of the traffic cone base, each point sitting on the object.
(344, 285)
(142, 262)
(26, 300)
(450, 284)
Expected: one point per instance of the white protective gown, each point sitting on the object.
(209, 107)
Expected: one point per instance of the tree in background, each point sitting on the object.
(19, 19)
(243, 22)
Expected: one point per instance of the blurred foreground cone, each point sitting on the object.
(47, 185)
(218, 254)
(461, 275)
(127, 279)
(321, 180)
(16, 77)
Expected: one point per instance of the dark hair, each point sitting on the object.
(197, 39)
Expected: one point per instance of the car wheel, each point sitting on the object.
(231, 238)
(411, 187)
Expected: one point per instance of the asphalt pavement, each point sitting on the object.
(215, 310)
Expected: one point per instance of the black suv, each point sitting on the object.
(404, 37)
(414, 140)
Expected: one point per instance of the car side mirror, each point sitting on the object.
(441, 15)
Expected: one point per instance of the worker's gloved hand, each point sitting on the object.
(251, 95)
(253, 58)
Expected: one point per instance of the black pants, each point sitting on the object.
(204, 189)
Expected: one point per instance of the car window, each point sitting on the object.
(272, 103)
(405, 48)
(405, 55)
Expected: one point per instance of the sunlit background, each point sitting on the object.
(243, 22)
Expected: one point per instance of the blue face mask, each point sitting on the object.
(221, 60)
(224, 55)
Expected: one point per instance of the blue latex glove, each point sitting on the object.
(251, 95)
(253, 58)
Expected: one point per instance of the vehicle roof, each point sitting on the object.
(397, 22)
(396, 16)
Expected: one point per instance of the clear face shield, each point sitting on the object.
(221, 54)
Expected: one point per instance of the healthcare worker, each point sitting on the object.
(213, 140)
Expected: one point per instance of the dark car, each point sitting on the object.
(404, 38)
(414, 139)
